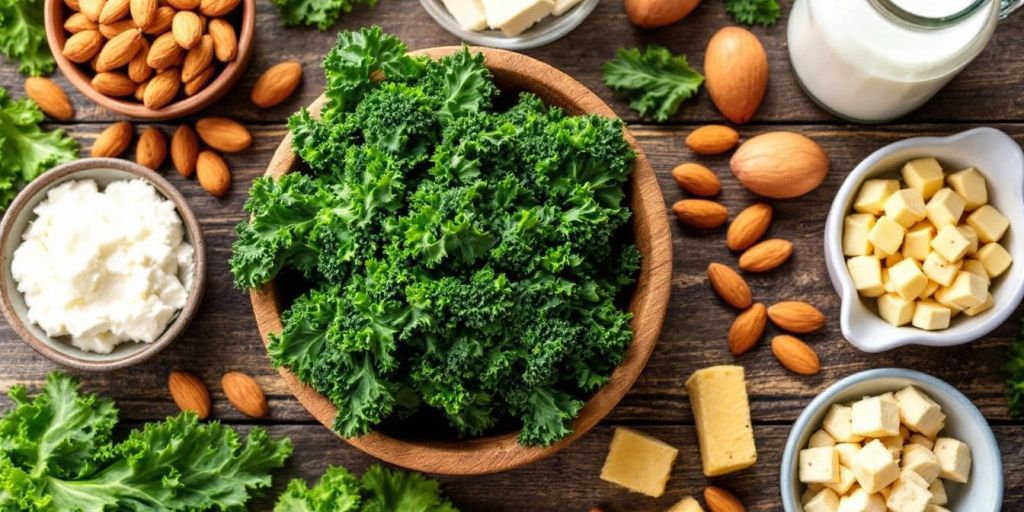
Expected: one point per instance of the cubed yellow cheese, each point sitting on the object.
(873, 194)
(945, 207)
(886, 236)
(995, 258)
(908, 496)
(846, 453)
(722, 413)
(929, 290)
(895, 309)
(938, 490)
(917, 243)
(939, 270)
(819, 465)
(855, 234)
(839, 424)
(975, 267)
(924, 175)
(970, 184)
(638, 462)
(919, 412)
(942, 297)
(861, 501)
(954, 459)
(825, 500)
(874, 467)
(989, 223)
(906, 207)
(981, 308)
(920, 460)
(821, 439)
(866, 272)
(972, 238)
(908, 279)
(845, 483)
(874, 417)
(967, 291)
(951, 243)
(931, 316)
(687, 504)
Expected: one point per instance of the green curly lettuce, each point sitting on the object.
(380, 490)
(754, 12)
(322, 14)
(655, 82)
(23, 37)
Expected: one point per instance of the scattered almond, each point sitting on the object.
(729, 285)
(198, 59)
(151, 150)
(223, 134)
(225, 40)
(748, 227)
(113, 84)
(697, 179)
(213, 173)
(795, 355)
(113, 10)
(79, 22)
(163, 52)
(119, 50)
(112, 30)
(143, 12)
(162, 21)
(184, 5)
(91, 9)
(113, 141)
(196, 84)
(736, 71)
(780, 165)
(83, 46)
(712, 139)
(747, 329)
(700, 213)
(184, 150)
(162, 88)
(50, 97)
(795, 316)
(277, 84)
(766, 255)
(245, 394)
(189, 393)
(187, 29)
(217, 8)
(721, 500)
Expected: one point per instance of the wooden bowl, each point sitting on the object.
(650, 224)
(54, 14)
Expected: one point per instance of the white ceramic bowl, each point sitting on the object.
(1000, 160)
(546, 31)
(984, 490)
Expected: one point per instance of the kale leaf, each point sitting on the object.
(380, 490)
(23, 37)
(754, 12)
(322, 14)
(1014, 369)
(655, 81)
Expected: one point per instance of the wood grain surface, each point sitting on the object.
(224, 337)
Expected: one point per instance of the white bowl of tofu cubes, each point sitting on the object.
(920, 241)
(891, 440)
(509, 24)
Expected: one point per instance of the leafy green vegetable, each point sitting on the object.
(27, 150)
(380, 490)
(655, 81)
(56, 454)
(322, 14)
(1014, 369)
(22, 36)
(465, 261)
(754, 12)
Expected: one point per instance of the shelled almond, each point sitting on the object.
(114, 140)
(52, 100)
(189, 393)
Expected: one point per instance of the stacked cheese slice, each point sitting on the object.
(512, 17)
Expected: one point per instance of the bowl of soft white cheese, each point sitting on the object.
(509, 24)
(103, 264)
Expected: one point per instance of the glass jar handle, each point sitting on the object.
(1009, 6)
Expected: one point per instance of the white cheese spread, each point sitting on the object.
(104, 267)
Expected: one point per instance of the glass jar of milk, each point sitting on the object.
(875, 60)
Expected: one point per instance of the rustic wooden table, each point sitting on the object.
(224, 337)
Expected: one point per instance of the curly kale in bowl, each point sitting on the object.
(465, 259)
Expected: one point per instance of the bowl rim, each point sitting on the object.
(67, 172)
(836, 262)
(53, 18)
(826, 398)
(502, 452)
(534, 37)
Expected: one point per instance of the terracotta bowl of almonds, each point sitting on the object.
(150, 59)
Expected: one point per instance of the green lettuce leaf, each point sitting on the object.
(322, 14)
(754, 12)
(655, 81)
(23, 37)
(380, 490)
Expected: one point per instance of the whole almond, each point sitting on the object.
(113, 141)
(112, 30)
(198, 59)
(92, 62)
(162, 89)
(184, 150)
(113, 10)
(79, 22)
(747, 329)
(50, 97)
(795, 316)
(700, 213)
(163, 52)
(697, 179)
(189, 393)
(162, 21)
(795, 355)
(143, 12)
(780, 165)
(213, 173)
(223, 134)
(187, 29)
(184, 5)
(113, 84)
(748, 227)
(729, 286)
(766, 255)
(151, 151)
(83, 46)
(138, 70)
(91, 8)
(225, 40)
(140, 91)
(119, 50)
(736, 70)
(245, 394)
(277, 84)
(217, 8)
(196, 84)
(712, 139)
(721, 500)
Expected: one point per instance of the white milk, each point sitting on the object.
(866, 66)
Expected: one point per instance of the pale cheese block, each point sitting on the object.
(563, 6)
(819, 465)
(989, 223)
(938, 490)
(721, 411)
(924, 175)
(945, 208)
(513, 17)
(845, 483)
(874, 417)
(954, 459)
(970, 184)
(977, 268)
(874, 467)
(855, 234)
(951, 243)
(931, 316)
(972, 238)
(687, 504)
(861, 501)
(847, 451)
(638, 462)
(919, 412)
(820, 439)
(825, 500)
(981, 308)
(872, 196)
(939, 270)
(921, 461)
(839, 424)
(866, 272)
(886, 236)
(895, 309)
(968, 290)
(995, 258)
(908, 279)
(917, 242)
(906, 207)
(908, 496)
(469, 14)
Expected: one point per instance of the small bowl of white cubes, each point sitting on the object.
(509, 24)
(920, 241)
(891, 440)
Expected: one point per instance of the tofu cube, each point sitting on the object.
(874, 467)
(908, 279)
(819, 465)
(861, 501)
(938, 490)
(967, 291)
(981, 308)
(687, 504)
(886, 236)
(895, 309)
(939, 270)
(839, 424)
(921, 461)
(995, 258)
(906, 207)
(855, 234)
(951, 243)
(924, 175)
(845, 483)
(972, 237)
(922, 440)
(825, 500)
(919, 412)
(970, 184)
(975, 267)
(929, 290)
(931, 316)
(917, 242)
(469, 14)
(945, 208)
(847, 451)
(873, 194)
(874, 417)
(907, 496)
(513, 18)
(866, 272)
(821, 439)
(638, 462)
(954, 459)
(989, 223)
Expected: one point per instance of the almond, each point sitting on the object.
(140, 91)
(748, 227)
(119, 50)
(712, 139)
(213, 173)
(729, 286)
(113, 84)
(184, 5)
(766, 255)
(798, 317)
(223, 134)
(50, 97)
(162, 21)
(277, 84)
(138, 70)
(112, 30)
(245, 394)
(91, 8)
(83, 46)
(113, 10)
(700, 213)
(196, 84)
(162, 89)
(747, 329)
(113, 141)
(79, 22)
(163, 52)
(143, 12)
(736, 73)
(795, 355)
(721, 500)
(189, 393)
(187, 29)
(780, 165)
(151, 150)
(198, 59)
(217, 8)
(697, 179)
(225, 40)
(184, 150)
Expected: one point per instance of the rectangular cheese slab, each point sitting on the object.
(722, 412)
